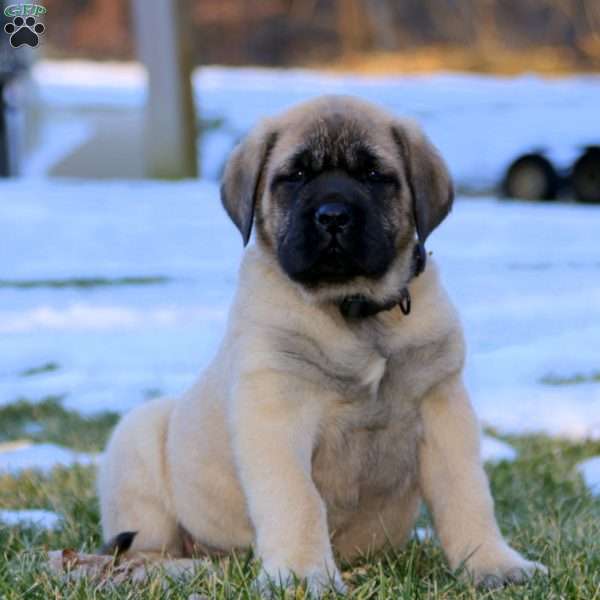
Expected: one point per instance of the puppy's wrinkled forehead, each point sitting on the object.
(334, 139)
(333, 142)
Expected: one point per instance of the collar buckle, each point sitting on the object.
(359, 307)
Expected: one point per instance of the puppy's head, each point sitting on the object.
(340, 191)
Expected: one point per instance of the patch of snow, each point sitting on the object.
(91, 84)
(590, 471)
(423, 534)
(525, 279)
(81, 317)
(57, 140)
(480, 123)
(44, 519)
(215, 146)
(494, 450)
(41, 457)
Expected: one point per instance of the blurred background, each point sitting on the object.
(386, 35)
(108, 75)
(117, 263)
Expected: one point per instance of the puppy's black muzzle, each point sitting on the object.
(334, 217)
(334, 232)
(336, 203)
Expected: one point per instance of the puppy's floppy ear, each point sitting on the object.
(242, 176)
(428, 178)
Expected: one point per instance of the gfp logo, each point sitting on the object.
(24, 28)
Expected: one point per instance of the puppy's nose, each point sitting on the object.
(333, 216)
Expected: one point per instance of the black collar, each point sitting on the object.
(360, 307)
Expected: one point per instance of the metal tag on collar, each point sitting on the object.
(404, 301)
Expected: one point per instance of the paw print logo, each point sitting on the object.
(24, 31)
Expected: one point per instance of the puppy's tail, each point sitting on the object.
(119, 544)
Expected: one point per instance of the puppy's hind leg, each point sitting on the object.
(134, 485)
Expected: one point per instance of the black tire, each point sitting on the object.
(531, 177)
(585, 176)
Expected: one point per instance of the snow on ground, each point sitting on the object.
(423, 534)
(480, 123)
(57, 139)
(494, 450)
(525, 278)
(590, 471)
(44, 519)
(79, 83)
(20, 456)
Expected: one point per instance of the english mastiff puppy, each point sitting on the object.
(335, 402)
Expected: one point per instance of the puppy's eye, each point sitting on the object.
(293, 177)
(375, 176)
(296, 175)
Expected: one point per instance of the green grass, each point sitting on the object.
(48, 367)
(81, 282)
(542, 506)
(551, 379)
(49, 421)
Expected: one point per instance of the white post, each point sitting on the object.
(170, 123)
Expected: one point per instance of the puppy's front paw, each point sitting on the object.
(501, 568)
(317, 582)
(270, 580)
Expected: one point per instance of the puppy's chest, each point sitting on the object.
(367, 449)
